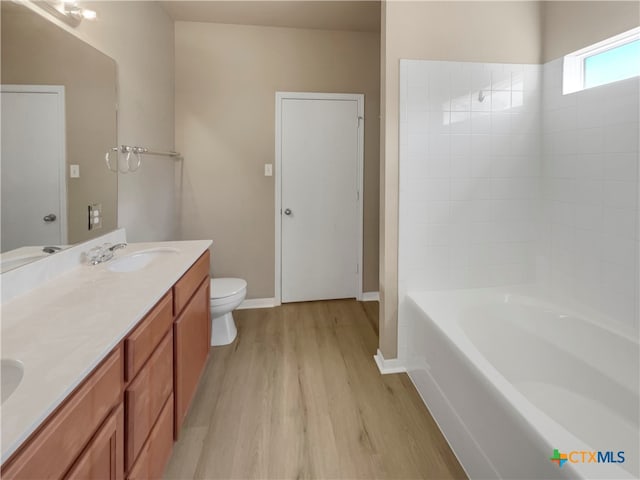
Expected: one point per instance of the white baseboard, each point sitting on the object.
(393, 365)
(258, 303)
(271, 302)
(370, 297)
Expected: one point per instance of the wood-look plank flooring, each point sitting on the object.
(298, 395)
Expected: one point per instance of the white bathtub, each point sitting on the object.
(509, 377)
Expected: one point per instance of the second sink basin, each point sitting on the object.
(11, 372)
(138, 260)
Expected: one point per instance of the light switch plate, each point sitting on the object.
(268, 170)
(74, 171)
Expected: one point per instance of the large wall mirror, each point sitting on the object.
(58, 121)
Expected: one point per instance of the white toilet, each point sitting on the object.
(226, 295)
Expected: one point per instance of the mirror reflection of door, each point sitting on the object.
(37, 52)
(33, 157)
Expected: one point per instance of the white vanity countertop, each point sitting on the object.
(63, 329)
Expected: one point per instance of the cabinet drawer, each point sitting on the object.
(145, 338)
(157, 450)
(187, 285)
(66, 433)
(145, 397)
(192, 341)
(103, 457)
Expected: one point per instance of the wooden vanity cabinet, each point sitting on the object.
(122, 420)
(54, 448)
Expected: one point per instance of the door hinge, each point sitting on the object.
(358, 195)
(359, 118)
(357, 268)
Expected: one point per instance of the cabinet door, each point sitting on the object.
(103, 457)
(191, 337)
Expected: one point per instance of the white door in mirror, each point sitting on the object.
(33, 157)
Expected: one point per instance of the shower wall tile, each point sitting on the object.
(590, 146)
(504, 180)
(469, 202)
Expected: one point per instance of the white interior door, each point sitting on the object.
(33, 166)
(319, 173)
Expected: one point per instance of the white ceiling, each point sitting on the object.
(362, 16)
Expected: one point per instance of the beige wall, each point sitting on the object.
(507, 32)
(570, 26)
(36, 52)
(226, 79)
(139, 37)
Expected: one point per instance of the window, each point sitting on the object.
(611, 60)
(612, 65)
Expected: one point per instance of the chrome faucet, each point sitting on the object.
(117, 246)
(103, 253)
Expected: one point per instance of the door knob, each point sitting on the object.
(287, 211)
(50, 218)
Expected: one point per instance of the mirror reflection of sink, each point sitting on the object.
(20, 256)
(17, 262)
(11, 372)
(138, 260)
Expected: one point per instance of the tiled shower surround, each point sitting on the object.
(590, 195)
(503, 180)
(469, 173)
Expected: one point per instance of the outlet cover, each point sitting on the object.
(94, 212)
(74, 171)
(268, 170)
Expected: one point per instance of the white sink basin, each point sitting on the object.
(11, 372)
(138, 260)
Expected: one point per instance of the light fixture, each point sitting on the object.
(72, 9)
(89, 14)
(67, 10)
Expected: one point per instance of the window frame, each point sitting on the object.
(573, 65)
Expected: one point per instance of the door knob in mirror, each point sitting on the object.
(50, 218)
(287, 211)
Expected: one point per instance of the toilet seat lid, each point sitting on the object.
(225, 287)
